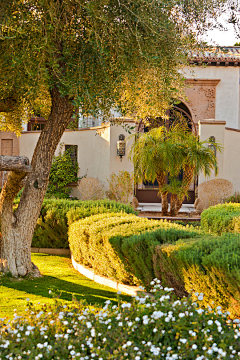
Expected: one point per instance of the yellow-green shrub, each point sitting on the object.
(221, 218)
(52, 225)
(210, 265)
(106, 243)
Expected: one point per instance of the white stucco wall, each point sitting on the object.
(216, 129)
(228, 160)
(97, 150)
(227, 91)
(115, 164)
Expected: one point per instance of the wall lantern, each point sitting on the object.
(121, 146)
(211, 144)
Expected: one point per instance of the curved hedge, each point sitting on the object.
(221, 218)
(109, 244)
(52, 225)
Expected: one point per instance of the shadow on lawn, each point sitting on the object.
(63, 289)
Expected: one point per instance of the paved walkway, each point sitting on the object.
(157, 207)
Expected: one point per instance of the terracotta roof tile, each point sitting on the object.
(215, 56)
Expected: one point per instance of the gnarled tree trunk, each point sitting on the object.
(18, 227)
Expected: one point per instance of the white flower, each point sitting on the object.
(129, 343)
(183, 341)
(194, 346)
(89, 325)
(120, 323)
(210, 322)
(93, 333)
(181, 315)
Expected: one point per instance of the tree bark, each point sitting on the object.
(173, 206)
(187, 179)
(18, 227)
(163, 194)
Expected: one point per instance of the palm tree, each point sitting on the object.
(160, 153)
(150, 156)
(197, 158)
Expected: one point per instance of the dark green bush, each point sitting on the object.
(63, 172)
(221, 218)
(52, 226)
(107, 244)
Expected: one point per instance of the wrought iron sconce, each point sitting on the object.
(211, 144)
(121, 146)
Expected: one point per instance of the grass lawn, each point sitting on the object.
(60, 277)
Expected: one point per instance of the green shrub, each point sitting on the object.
(63, 172)
(147, 328)
(106, 243)
(97, 207)
(52, 226)
(210, 265)
(221, 218)
(235, 198)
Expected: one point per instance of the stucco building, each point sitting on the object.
(212, 106)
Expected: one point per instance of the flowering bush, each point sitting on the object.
(150, 327)
(120, 187)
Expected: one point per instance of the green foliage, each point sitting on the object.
(93, 51)
(120, 187)
(149, 327)
(210, 265)
(63, 172)
(52, 225)
(161, 152)
(106, 243)
(221, 218)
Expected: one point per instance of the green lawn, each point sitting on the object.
(60, 277)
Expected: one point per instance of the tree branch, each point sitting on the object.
(15, 163)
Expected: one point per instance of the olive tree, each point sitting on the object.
(59, 55)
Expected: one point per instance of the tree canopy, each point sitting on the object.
(101, 53)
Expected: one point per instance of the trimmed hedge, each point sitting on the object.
(52, 226)
(106, 243)
(221, 218)
(210, 265)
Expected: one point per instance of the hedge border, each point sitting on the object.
(51, 251)
(103, 280)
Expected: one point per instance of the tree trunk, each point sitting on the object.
(187, 179)
(18, 228)
(173, 207)
(163, 194)
(164, 204)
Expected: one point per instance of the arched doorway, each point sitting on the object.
(148, 192)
